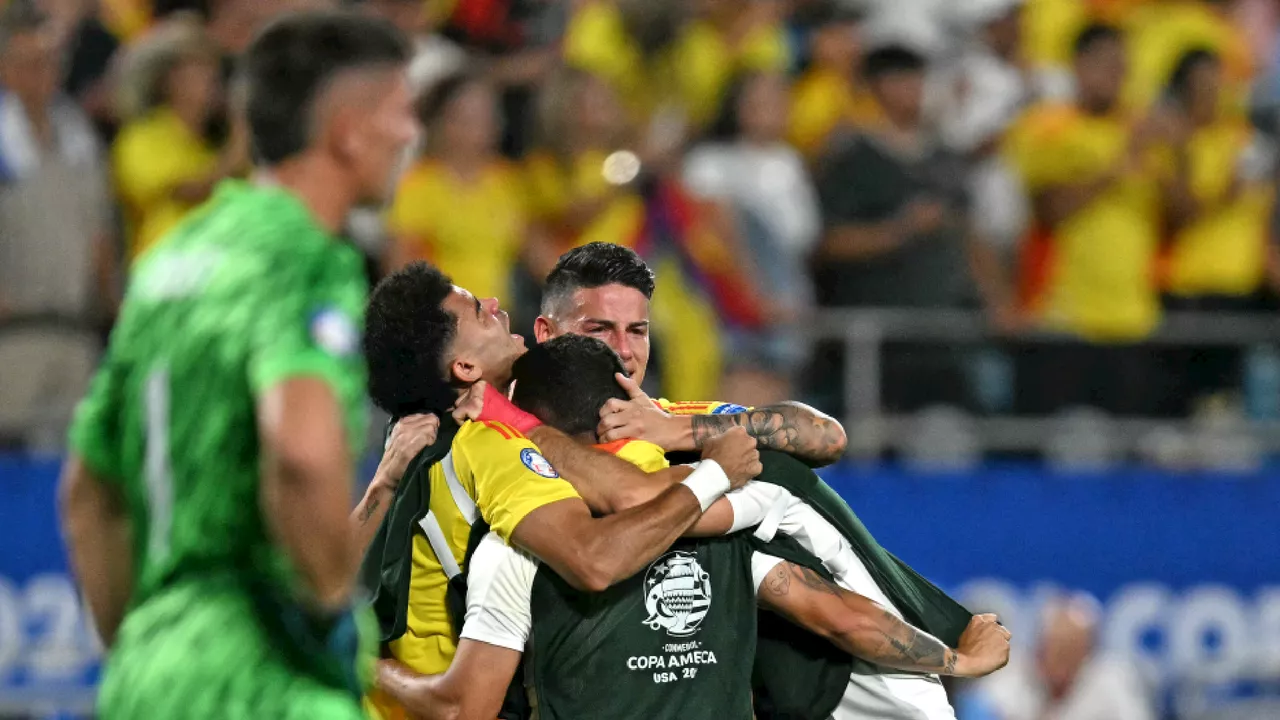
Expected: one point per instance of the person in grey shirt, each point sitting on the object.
(55, 209)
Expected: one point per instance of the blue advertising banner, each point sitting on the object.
(1187, 567)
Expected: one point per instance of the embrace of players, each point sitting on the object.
(530, 548)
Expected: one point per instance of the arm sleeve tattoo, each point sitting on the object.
(884, 639)
(789, 427)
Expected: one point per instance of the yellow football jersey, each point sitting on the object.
(491, 472)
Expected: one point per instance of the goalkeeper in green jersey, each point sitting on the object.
(206, 498)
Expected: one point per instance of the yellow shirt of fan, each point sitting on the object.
(1224, 251)
(473, 230)
(822, 101)
(1101, 284)
(151, 157)
(553, 186)
(1159, 34)
(491, 472)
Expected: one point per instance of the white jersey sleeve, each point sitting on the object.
(773, 510)
(499, 594)
(754, 502)
(761, 566)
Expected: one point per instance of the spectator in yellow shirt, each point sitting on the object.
(162, 162)
(830, 96)
(657, 54)
(1219, 199)
(462, 207)
(1089, 170)
(1161, 32)
(582, 186)
(581, 179)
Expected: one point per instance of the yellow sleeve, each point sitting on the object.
(700, 408)
(1035, 146)
(507, 474)
(644, 455)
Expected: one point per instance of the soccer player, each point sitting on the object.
(667, 642)
(603, 291)
(205, 501)
(427, 343)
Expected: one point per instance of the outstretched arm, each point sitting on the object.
(791, 427)
(867, 630)
(473, 687)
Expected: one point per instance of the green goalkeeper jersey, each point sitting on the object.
(245, 293)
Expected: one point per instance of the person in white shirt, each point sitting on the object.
(748, 167)
(853, 612)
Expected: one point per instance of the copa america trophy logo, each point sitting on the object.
(677, 594)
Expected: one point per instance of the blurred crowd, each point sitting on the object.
(1075, 167)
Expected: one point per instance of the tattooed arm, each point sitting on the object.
(408, 438)
(792, 427)
(867, 630)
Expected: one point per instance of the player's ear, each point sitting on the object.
(465, 371)
(544, 329)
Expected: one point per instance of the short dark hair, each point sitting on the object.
(1180, 78)
(1093, 34)
(565, 382)
(890, 59)
(595, 265)
(295, 59)
(407, 333)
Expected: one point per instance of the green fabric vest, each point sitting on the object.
(799, 676)
(673, 641)
(518, 705)
(388, 562)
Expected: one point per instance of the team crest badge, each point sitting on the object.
(677, 594)
(535, 462)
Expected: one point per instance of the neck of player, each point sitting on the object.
(320, 186)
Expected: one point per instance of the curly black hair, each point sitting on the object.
(406, 338)
(565, 382)
(594, 265)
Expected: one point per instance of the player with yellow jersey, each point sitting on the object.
(603, 291)
(428, 342)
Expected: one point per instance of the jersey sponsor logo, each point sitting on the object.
(334, 331)
(729, 409)
(533, 460)
(677, 594)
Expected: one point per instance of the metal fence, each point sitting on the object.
(43, 371)
(864, 334)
